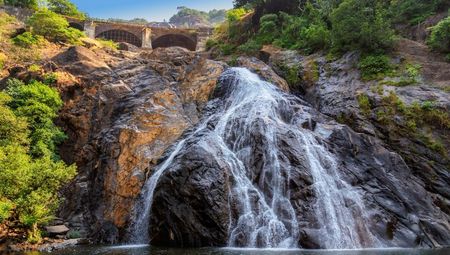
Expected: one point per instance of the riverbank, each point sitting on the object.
(48, 245)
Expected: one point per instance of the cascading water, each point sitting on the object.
(262, 214)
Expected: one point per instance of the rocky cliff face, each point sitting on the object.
(369, 192)
(336, 90)
(125, 111)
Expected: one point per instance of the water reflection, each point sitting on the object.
(147, 250)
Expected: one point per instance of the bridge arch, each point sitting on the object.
(119, 35)
(170, 40)
(76, 25)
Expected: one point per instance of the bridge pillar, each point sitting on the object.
(89, 29)
(147, 38)
(203, 34)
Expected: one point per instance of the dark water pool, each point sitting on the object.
(146, 250)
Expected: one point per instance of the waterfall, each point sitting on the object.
(252, 115)
(138, 232)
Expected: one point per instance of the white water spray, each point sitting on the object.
(262, 213)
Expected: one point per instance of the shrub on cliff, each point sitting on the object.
(39, 105)
(53, 27)
(29, 186)
(27, 40)
(440, 36)
(374, 67)
(29, 182)
(360, 25)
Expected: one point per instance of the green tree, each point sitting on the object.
(12, 128)
(39, 105)
(65, 7)
(31, 186)
(361, 25)
(33, 4)
(53, 27)
(269, 28)
(440, 36)
(415, 11)
(29, 182)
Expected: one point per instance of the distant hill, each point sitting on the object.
(187, 17)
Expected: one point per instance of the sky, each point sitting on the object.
(152, 10)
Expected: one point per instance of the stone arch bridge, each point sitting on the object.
(144, 36)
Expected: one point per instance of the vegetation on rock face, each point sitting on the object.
(361, 25)
(38, 104)
(338, 25)
(311, 26)
(10, 53)
(417, 120)
(27, 40)
(415, 11)
(30, 172)
(33, 4)
(439, 39)
(53, 27)
(374, 66)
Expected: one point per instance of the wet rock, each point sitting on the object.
(126, 112)
(123, 113)
(57, 230)
(395, 207)
(265, 71)
(334, 93)
(191, 202)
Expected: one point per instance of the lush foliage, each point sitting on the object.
(271, 6)
(415, 11)
(30, 174)
(360, 24)
(374, 66)
(27, 40)
(38, 104)
(33, 4)
(53, 27)
(310, 26)
(65, 7)
(440, 36)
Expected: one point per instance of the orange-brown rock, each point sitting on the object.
(121, 117)
(264, 71)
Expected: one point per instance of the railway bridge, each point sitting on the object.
(144, 36)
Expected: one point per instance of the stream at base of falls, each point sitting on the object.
(147, 250)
